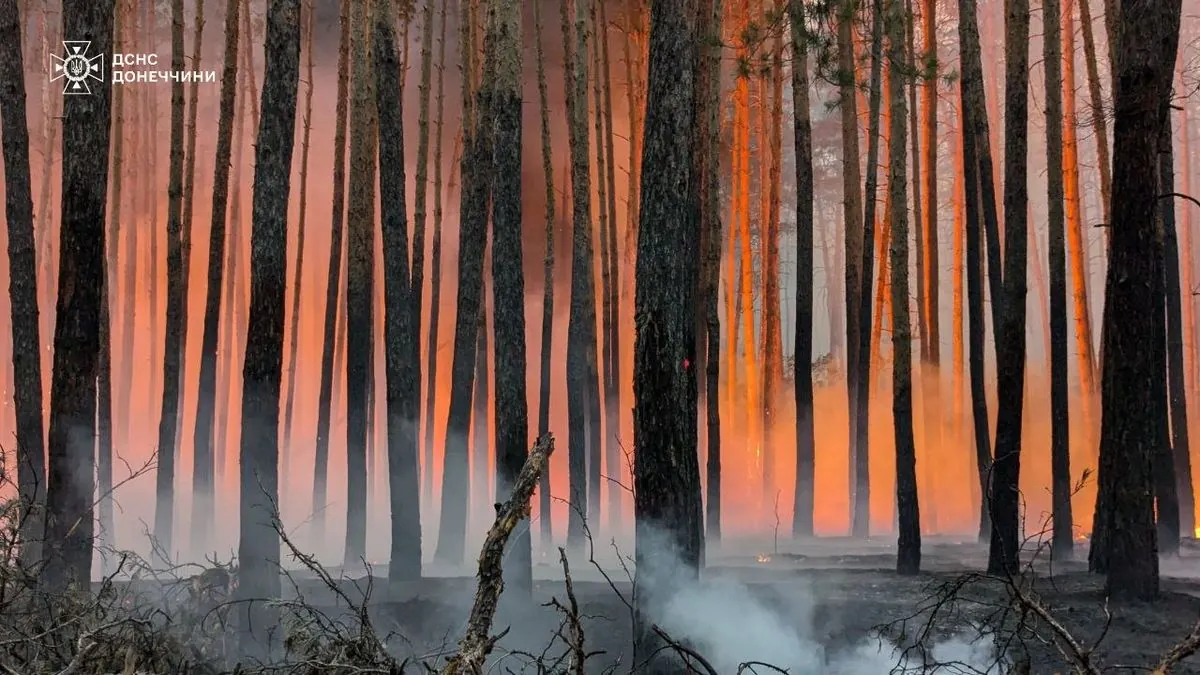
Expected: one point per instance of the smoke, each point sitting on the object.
(732, 623)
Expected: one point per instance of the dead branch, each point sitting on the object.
(477, 643)
(571, 611)
(1179, 652)
(685, 652)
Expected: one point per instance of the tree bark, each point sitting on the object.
(667, 505)
(22, 288)
(1136, 352)
(1060, 429)
(1003, 554)
(71, 441)
(1174, 489)
(360, 275)
(262, 374)
(168, 447)
(544, 516)
(805, 494)
(710, 222)
(333, 282)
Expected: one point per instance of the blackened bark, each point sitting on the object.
(202, 471)
(1171, 526)
(473, 214)
(334, 278)
(86, 124)
(1171, 410)
(168, 421)
(360, 277)
(481, 482)
(1060, 413)
(708, 336)
(1010, 343)
(581, 333)
(612, 336)
(22, 289)
(262, 373)
(402, 320)
(667, 506)
(802, 511)
(508, 289)
(1135, 351)
(544, 517)
(978, 190)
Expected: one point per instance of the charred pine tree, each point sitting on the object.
(980, 201)
(422, 198)
(402, 317)
(435, 267)
(1003, 554)
(473, 216)
(203, 484)
(104, 418)
(612, 335)
(508, 290)
(802, 512)
(334, 278)
(262, 373)
(667, 502)
(189, 180)
(708, 330)
(298, 272)
(1135, 351)
(545, 363)
(71, 481)
(360, 276)
(1060, 412)
(22, 288)
(164, 506)
(908, 554)
(581, 337)
(1172, 466)
(861, 504)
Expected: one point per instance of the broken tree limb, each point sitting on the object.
(475, 646)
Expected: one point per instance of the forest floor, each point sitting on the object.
(813, 608)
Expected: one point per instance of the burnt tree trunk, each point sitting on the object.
(545, 363)
(203, 485)
(708, 335)
(71, 481)
(1127, 550)
(168, 421)
(262, 373)
(667, 503)
(334, 277)
(22, 288)
(802, 512)
(1060, 412)
(402, 322)
(1003, 554)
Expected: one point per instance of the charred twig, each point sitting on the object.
(685, 652)
(1188, 646)
(477, 643)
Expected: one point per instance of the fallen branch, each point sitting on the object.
(477, 643)
(1179, 652)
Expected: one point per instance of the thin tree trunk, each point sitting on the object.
(168, 448)
(1003, 554)
(1060, 413)
(1191, 359)
(258, 551)
(333, 282)
(481, 445)
(805, 494)
(86, 131)
(435, 268)
(360, 294)
(298, 273)
(22, 288)
(710, 220)
(203, 484)
(189, 181)
(547, 341)
(422, 195)
(1098, 114)
(1176, 501)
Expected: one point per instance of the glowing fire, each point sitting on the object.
(763, 558)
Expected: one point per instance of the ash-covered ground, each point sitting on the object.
(830, 606)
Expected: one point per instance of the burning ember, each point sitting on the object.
(763, 558)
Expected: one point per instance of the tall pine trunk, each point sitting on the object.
(71, 442)
(1131, 427)
(547, 341)
(360, 275)
(262, 374)
(802, 511)
(1174, 482)
(710, 219)
(333, 282)
(23, 287)
(667, 474)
